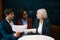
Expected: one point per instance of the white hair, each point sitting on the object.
(43, 13)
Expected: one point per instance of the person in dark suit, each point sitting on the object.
(24, 19)
(5, 26)
(42, 23)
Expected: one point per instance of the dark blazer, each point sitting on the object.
(29, 23)
(45, 28)
(6, 31)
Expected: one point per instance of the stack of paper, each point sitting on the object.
(22, 28)
(19, 28)
(30, 30)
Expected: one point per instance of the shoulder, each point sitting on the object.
(36, 20)
(30, 19)
(19, 20)
(3, 21)
(47, 21)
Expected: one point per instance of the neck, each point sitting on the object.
(41, 20)
(25, 18)
(8, 19)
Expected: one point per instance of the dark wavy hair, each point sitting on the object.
(8, 11)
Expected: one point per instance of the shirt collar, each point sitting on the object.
(8, 20)
(24, 19)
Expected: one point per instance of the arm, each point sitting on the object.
(6, 35)
(35, 25)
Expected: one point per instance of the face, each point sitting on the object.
(11, 15)
(38, 15)
(25, 15)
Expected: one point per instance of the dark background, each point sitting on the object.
(52, 7)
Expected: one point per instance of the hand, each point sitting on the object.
(18, 34)
(29, 33)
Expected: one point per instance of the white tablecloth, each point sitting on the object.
(36, 37)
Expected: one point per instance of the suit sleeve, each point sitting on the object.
(48, 28)
(5, 34)
(35, 26)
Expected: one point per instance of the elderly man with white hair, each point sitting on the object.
(42, 24)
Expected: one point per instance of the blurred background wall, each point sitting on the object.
(0, 10)
(52, 7)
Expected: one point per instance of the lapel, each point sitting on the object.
(7, 25)
(21, 23)
(37, 23)
(43, 27)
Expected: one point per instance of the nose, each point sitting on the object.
(36, 14)
(13, 15)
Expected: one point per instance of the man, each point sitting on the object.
(6, 26)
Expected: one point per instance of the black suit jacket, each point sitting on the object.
(45, 28)
(6, 31)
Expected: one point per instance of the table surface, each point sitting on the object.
(36, 37)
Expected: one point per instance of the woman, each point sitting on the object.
(24, 19)
(42, 24)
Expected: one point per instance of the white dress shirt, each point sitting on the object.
(10, 22)
(40, 28)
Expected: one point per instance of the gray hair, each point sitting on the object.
(43, 13)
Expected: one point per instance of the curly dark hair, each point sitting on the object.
(20, 13)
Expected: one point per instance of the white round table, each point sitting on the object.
(36, 37)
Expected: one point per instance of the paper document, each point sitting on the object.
(30, 30)
(19, 28)
(22, 28)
